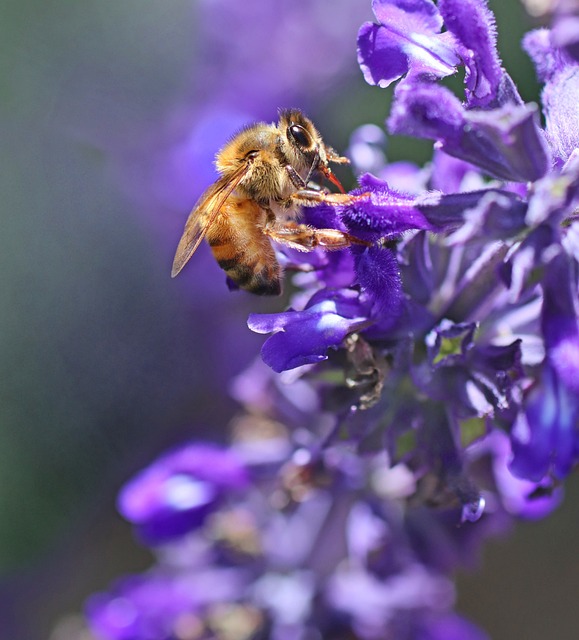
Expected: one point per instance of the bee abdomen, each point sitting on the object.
(252, 274)
(264, 283)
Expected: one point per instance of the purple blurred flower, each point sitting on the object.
(176, 494)
(159, 605)
(565, 32)
(517, 496)
(321, 559)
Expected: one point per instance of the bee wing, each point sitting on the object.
(203, 216)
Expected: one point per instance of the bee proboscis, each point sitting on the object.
(264, 179)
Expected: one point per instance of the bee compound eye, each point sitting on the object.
(300, 135)
(251, 155)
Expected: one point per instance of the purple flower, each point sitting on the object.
(560, 321)
(139, 607)
(520, 497)
(176, 494)
(407, 40)
(493, 129)
(385, 214)
(303, 337)
(388, 213)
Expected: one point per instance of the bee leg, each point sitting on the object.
(311, 197)
(305, 238)
(301, 185)
(297, 181)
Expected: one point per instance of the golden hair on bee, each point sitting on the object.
(264, 180)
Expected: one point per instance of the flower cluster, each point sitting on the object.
(468, 295)
(418, 394)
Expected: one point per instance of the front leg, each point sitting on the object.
(311, 198)
(295, 178)
(305, 238)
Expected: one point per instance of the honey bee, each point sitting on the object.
(264, 179)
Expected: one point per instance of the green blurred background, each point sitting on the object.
(102, 361)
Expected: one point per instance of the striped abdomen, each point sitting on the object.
(242, 250)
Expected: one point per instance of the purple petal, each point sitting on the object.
(519, 497)
(517, 272)
(151, 606)
(449, 174)
(386, 213)
(139, 607)
(373, 603)
(303, 337)
(560, 98)
(544, 438)
(425, 110)
(474, 380)
(548, 59)
(560, 324)
(419, 274)
(448, 343)
(379, 55)
(500, 364)
(490, 213)
(379, 275)
(473, 26)
(555, 195)
(419, 16)
(512, 137)
(408, 40)
(565, 34)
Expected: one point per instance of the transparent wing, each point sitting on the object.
(203, 216)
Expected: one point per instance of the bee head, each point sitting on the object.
(303, 147)
(300, 141)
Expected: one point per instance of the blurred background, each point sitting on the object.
(110, 115)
